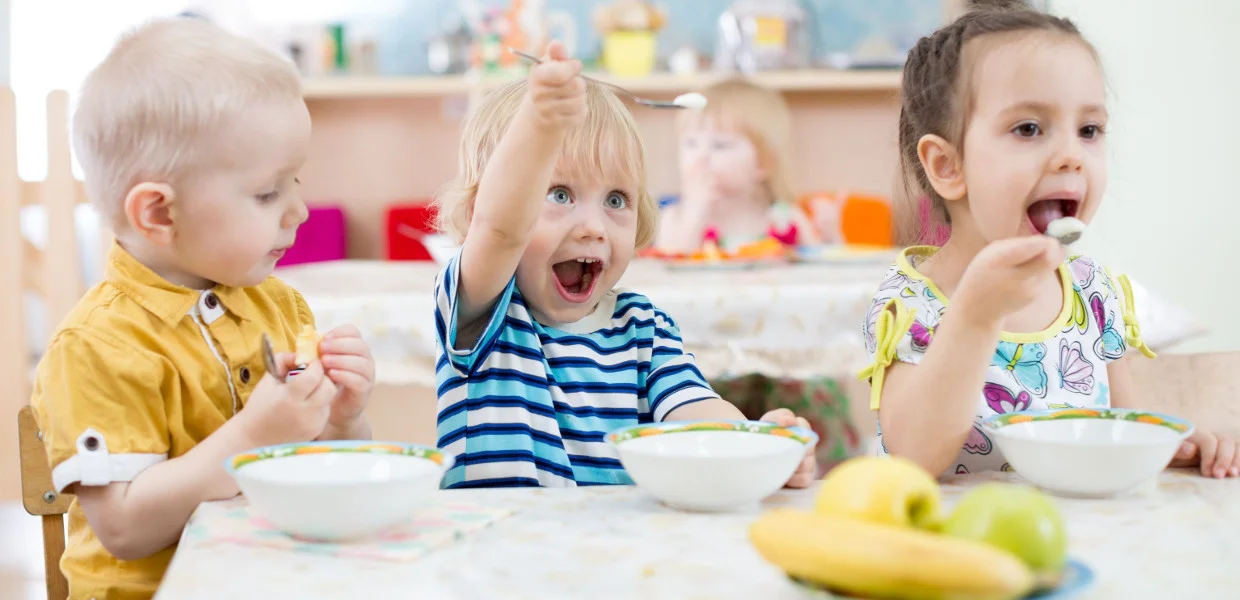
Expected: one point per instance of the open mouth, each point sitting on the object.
(575, 278)
(1043, 212)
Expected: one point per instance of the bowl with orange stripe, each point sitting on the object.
(1088, 452)
(340, 490)
(711, 466)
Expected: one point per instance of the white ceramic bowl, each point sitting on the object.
(338, 491)
(1088, 452)
(711, 466)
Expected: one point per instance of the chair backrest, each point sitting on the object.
(1203, 388)
(53, 272)
(40, 498)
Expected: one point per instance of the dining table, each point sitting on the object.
(1177, 538)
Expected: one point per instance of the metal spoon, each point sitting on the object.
(269, 357)
(269, 360)
(631, 95)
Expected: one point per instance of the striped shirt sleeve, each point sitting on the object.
(465, 360)
(674, 379)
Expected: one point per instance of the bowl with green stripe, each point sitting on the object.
(338, 491)
(711, 466)
(1087, 452)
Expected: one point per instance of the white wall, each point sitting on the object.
(1171, 218)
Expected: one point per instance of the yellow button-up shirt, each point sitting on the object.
(139, 372)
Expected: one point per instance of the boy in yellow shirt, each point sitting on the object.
(190, 139)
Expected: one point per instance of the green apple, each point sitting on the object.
(1016, 518)
(881, 489)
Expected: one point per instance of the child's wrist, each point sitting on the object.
(529, 113)
(975, 313)
(239, 433)
(345, 429)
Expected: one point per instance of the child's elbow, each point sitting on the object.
(120, 536)
(122, 545)
(933, 461)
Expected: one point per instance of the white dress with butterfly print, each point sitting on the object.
(1060, 367)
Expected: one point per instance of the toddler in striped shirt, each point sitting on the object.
(539, 355)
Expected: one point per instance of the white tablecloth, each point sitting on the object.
(1179, 539)
(792, 321)
(795, 321)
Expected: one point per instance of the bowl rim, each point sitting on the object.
(997, 423)
(801, 435)
(235, 463)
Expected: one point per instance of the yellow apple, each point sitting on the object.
(881, 489)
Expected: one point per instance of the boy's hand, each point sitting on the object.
(557, 96)
(808, 470)
(349, 365)
(292, 411)
(1217, 455)
(1003, 277)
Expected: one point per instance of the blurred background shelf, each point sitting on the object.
(807, 80)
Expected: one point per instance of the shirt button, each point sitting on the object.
(245, 374)
(211, 301)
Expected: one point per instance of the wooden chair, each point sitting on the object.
(54, 272)
(40, 498)
(1203, 388)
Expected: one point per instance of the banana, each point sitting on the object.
(883, 561)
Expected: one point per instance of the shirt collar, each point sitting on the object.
(162, 298)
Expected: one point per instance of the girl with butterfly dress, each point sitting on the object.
(1003, 126)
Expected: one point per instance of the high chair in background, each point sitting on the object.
(40, 498)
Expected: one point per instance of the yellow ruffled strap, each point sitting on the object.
(1132, 328)
(889, 329)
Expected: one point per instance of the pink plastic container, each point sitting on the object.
(321, 238)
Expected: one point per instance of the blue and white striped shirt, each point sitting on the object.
(529, 405)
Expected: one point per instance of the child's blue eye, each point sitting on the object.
(616, 201)
(559, 195)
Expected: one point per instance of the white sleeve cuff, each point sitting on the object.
(92, 465)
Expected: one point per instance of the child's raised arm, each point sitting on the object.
(927, 410)
(514, 184)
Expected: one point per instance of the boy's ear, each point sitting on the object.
(148, 211)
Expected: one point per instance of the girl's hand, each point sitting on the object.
(808, 470)
(557, 96)
(1217, 455)
(1003, 277)
(702, 192)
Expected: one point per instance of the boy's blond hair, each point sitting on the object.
(608, 139)
(762, 116)
(153, 110)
